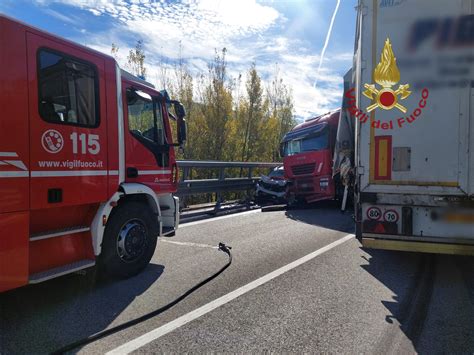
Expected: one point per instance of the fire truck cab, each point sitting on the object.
(87, 161)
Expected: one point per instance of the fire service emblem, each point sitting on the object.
(387, 75)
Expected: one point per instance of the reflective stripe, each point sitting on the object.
(64, 173)
(120, 124)
(383, 158)
(421, 247)
(8, 154)
(68, 173)
(154, 172)
(16, 163)
(13, 174)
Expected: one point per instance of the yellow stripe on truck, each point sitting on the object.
(422, 247)
(383, 155)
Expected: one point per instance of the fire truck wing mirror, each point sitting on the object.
(179, 109)
(182, 131)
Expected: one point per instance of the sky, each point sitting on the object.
(286, 34)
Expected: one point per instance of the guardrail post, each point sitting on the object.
(219, 194)
(184, 176)
(248, 192)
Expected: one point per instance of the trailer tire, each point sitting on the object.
(129, 241)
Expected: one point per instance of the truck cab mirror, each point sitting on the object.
(179, 109)
(282, 150)
(182, 131)
(180, 122)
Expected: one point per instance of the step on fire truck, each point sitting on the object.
(87, 161)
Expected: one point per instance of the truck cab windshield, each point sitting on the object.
(307, 143)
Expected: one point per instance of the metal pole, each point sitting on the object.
(344, 198)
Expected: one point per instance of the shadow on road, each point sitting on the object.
(433, 300)
(41, 318)
(325, 214)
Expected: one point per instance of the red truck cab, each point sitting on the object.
(307, 152)
(87, 162)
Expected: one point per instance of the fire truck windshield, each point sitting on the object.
(306, 143)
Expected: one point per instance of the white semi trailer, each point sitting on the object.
(412, 101)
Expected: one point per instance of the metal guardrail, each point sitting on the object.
(221, 184)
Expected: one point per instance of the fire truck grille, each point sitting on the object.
(303, 169)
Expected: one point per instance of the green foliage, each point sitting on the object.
(232, 119)
(136, 59)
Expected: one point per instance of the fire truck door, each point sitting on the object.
(146, 139)
(68, 141)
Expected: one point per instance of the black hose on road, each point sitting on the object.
(130, 323)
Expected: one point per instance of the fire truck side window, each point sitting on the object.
(145, 122)
(68, 90)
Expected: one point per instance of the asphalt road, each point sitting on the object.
(345, 300)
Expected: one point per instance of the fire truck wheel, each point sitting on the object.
(129, 241)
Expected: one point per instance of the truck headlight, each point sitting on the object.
(323, 183)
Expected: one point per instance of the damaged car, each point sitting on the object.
(272, 187)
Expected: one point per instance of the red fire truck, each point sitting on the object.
(87, 162)
(307, 152)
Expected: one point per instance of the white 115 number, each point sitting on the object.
(88, 142)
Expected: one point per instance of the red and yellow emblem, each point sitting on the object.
(386, 74)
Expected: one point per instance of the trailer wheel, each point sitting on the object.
(129, 241)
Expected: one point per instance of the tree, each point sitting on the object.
(216, 107)
(136, 60)
(114, 51)
(253, 114)
(280, 98)
(181, 86)
(228, 118)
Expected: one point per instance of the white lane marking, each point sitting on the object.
(178, 322)
(154, 172)
(14, 174)
(218, 218)
(60, 173)
(8, 154)
(189, 244)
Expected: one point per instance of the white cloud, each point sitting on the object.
(251, 31)
(67, 19)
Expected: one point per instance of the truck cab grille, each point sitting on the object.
(303, 169)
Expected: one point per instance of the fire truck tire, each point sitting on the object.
(129, 241)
